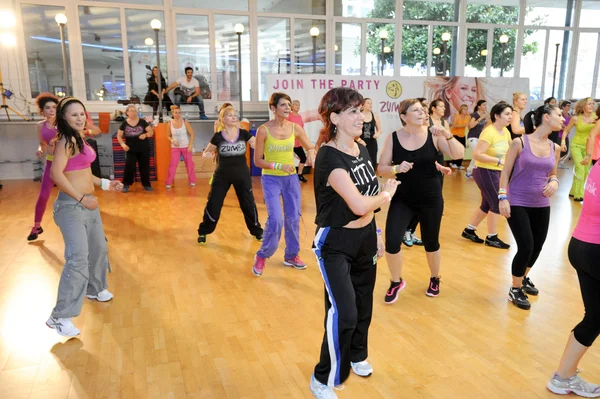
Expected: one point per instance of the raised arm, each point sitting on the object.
(360, 204)
(446, 143)
(306, 144)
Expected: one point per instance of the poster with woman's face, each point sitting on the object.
(458, 90)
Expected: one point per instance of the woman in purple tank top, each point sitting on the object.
(46, 130)
(530, 174)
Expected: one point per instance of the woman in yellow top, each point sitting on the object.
(458, 129)
(275, 142)
(489, 161)
(583, 121)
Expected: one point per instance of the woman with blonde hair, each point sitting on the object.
(181, 136)
(516, 127)
(454, 92)
(583, 121)
(230, 145)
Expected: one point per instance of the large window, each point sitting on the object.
(310, 50)
(414, 50)
(309, 7)
(273, 51)
(481, 11)
(590, 14)
(347, 49)
(586, 61)
(102, 48)
(533, 60)
(43, 46)
(426, 10)
(143, 2)
(234, 5)
(444, 43)
(380, 50)
(504, 43)
(556, 76)
(193, 50)
(549, 12)
(364, 8)
(477, 52)
(142, 52)
(227, 56)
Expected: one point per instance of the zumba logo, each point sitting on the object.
(393, 89)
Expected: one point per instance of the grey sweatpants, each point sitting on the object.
(86, 255)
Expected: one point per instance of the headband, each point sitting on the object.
(67, 100)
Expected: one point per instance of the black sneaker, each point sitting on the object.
(471, 235)
(496, 242)
(33, 235)
(434, 287)
(529, 287)
(519, 298)
(391, 295)
(302, 179)
(202, 239)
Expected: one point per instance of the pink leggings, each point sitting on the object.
(42, 201)
(189, 164)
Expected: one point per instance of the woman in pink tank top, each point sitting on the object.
(530, 165)
(76, 214)
(46, 130)
(584, 252)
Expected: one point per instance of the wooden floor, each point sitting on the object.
(193, 321)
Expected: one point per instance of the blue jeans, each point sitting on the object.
(288, 188)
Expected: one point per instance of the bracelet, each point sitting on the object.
(394, 169)
(387, 196)
(502, 197)
(378, 231)
(554, 179)
(588, 155)
(499, 161)
(502, 191)
(448, 139)
(105, 184)
(81, 198)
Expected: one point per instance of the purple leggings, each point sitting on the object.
(287, 188)
(42, 201)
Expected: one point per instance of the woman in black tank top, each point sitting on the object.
(410, 154)
(371, 131)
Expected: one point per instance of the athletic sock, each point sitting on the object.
(471, 227)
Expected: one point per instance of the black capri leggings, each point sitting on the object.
(401, 214)
(530, 228)
(584, 258)
(301, 154)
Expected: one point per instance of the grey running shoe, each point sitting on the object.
(575, 384)
(321, 391)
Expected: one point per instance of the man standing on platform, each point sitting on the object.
(188, 91)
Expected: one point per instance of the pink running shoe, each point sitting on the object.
(295, 262)
(259, 265)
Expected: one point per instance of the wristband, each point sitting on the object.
(378, 231)
(588, 155)
(502, 191)
(394, 171)
(499, 161)
(502, 197)
(387, 196)
(105, 184)
(554, 179)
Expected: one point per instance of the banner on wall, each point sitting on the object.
(386, 93)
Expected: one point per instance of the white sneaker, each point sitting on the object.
(321, 391)
(192, 184)
(363, 369)
(461, 167)
(64, 327)
(575, 384)
(168, 186)
(453, 166)
(102, 296)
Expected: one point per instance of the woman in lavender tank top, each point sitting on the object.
(530, 165)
